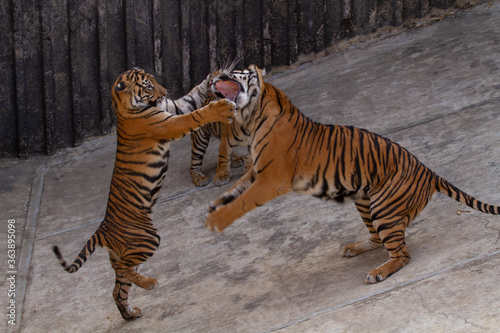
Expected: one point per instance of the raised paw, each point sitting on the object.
(225, 198)
(353, 249)
(152, 284)
(225, 110)
(213, 205)
(145, 282)
(214, 224)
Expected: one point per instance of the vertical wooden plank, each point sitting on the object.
(130, 33)
(186, 47)
(226, 41)
(212, 35)
(171, 47)
(157, 38)
(55, 49)
(89, 61)
(84, 68)
(397, 12)
(266, 34)
(75, 73)
(198, 38)
(318, 25)
(361, 13)
(253, 34)
(347, 20)
(333, 16)
(142, 30)
(384, 13)
(371, 8)
(425, 8)
(239, 34)
(28, 66)
(48, 78)
(292, 24)
(359, 17)
(311, 32)
(279, 36)
(110, 38)
(8, 144)
(412, 9)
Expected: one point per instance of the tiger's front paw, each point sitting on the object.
(214, 223)
(225, 198)
(224, 110)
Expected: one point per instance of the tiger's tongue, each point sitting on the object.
(229, 89)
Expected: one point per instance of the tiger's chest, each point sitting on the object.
(156, 167)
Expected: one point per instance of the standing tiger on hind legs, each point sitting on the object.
(146, 123)
(290, 152)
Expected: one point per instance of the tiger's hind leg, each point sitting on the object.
(125, 275)
(392, 214)
(350, 250)
(392, 233)
(120, 294)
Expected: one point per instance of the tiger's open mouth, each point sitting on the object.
(227, 89)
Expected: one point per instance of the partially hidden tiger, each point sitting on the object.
(290, 152)
(146, 124)
(230, 136)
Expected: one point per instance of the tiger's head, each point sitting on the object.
(133, 91)
(243, 87)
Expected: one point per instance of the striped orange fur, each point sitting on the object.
(146, 124)
(290, 152)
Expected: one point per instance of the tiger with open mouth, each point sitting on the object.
(290, 152)
(231, 136)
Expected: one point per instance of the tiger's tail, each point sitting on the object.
(453, 192)
(87, 250)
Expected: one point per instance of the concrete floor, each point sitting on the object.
(434, 89)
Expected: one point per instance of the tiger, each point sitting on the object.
(230, 135)
(146, 123)
(290, 152)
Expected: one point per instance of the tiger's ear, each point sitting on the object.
(254, 68)
(121, 86)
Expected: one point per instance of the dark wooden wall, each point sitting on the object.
(58, 58)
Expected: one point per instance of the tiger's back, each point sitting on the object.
(290, 152)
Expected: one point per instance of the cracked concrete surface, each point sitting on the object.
(435, 90)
